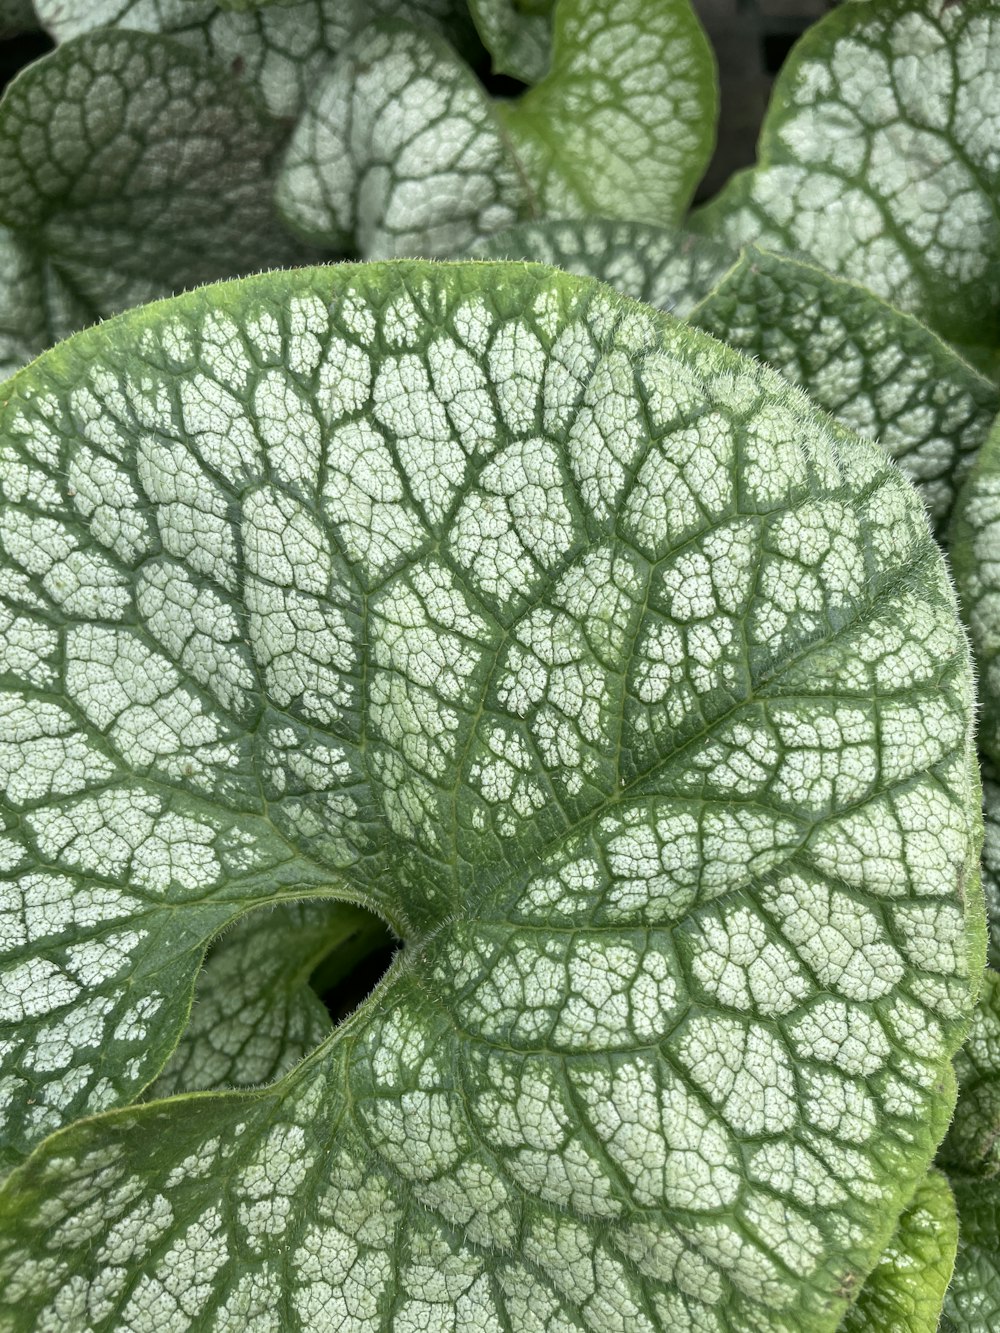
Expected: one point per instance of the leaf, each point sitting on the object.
(663, 267)
(972, 1302)
(130, 171)
(905, 1291)
(554, 633)
(399, 152)
(517, 34)
(971, 1155)
(974, 548)
(255, 1016)
(877, 160)
(623, 124)
(878, 371)
(278, 49)
(23, 326)
(991, 860)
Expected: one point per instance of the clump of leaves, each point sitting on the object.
(481, 618)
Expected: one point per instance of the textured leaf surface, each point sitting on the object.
(130, 170)
(878, 371)
(517, 34)
(255, 1015)
(400, 152)
(24, 330)
(623, 124)
(971, 1154)
(904, 1293)
(278, 49)
(991, 859)
(975, 555)
(665, 268)
(623, 683)
(878, 159)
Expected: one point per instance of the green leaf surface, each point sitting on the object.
(399, 152)
(279, 50)
(255, 1014)
(972, 1302)
(623, 124)
(878, 371)
(669, 269)
(972, 1145)
(130, 170)
(971, 1155)
(991, 859)
(24, 329)
(517, 34)
(974, 547)
(877, 159)
(623, 683)
(905, 1291)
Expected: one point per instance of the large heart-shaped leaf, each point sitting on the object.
(627, 686)
(878, 371)
(399, 152)
(878, 159)
(623, 124)
(278, 49)
(130, 169)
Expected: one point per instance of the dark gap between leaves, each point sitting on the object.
(342, 987)
(24, 49)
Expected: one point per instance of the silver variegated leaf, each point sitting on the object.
(630, 690)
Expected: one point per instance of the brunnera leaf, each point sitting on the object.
(971, 1156)
(399, 152)
(517, 34)
(991, 860)
(877, 159)
(278, 49)
(255, 1014)
(624, 684)
(623, 123)
(131, 169)
(905, 1291)
(974, 547)
(670, 269)
(880, 372)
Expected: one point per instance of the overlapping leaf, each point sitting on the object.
(255, 1014)
(399, 152)
(991, 860)
(130, 170)
(623, 124)
(517, 34)
(878, 371)
(971, 1155)
(877, 159)
(975, 552)
(278, 49)
(669, 269)
(905, 1291)
(626, 685)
